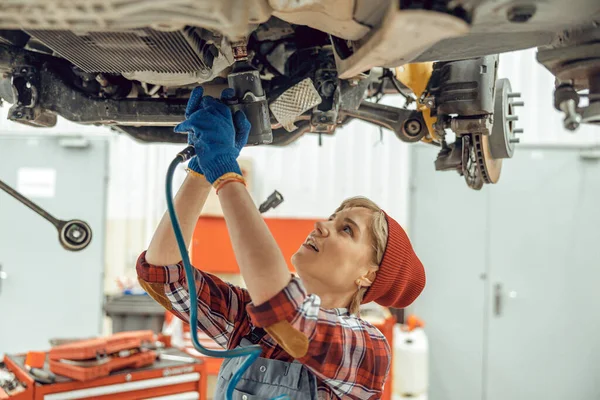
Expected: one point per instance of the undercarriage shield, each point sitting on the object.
(294, 102)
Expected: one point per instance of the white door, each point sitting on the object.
(544, 319)
(48, 292)
(448, 224)
(512, 302)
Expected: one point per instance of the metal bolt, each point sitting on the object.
(518, 130)
(515, 140)
(518, 104)
(263, 368)
(19, 114)
(327, 89)
(128, 377)
(412, 127)
(514, 95)
(512, 117)
(76, 234)
(572, 117)
(23, 70)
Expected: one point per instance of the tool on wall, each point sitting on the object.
(73, 235)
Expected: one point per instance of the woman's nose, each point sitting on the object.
(321, 228)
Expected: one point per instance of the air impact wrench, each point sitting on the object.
(250, 97)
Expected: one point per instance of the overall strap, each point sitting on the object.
(255, 335)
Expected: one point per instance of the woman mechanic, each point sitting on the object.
(314, 343)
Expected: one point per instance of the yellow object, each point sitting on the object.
(226, 178)
(416, 77)
(194, 173)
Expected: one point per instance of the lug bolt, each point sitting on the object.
(572, 117)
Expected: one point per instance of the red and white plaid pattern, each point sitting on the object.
(350, 357)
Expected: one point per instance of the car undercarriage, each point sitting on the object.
(315, 65)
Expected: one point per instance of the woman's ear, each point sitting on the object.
(367, 279)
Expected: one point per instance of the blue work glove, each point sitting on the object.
(216, 136)
(207, 119)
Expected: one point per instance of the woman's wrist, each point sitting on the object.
(228, 178)
(197, 179)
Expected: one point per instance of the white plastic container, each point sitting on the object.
(410, 357)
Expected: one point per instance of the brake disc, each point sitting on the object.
(489, 166)
(470, 166)
(503, 135)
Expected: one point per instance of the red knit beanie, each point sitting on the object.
(401, 276)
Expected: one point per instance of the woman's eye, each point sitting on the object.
(348, 229)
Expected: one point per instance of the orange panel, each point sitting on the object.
(212, 250)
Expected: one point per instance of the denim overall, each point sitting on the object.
(266, 379)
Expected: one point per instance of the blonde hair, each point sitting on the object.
(379, 235)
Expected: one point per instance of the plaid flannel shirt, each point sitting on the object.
(349, 357)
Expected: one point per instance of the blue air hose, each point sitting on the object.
(251, 352)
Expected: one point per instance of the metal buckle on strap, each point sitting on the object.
(255, 335)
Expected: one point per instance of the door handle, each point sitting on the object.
(497, 299)
(590, 155)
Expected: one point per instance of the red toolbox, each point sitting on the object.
(173, 373)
